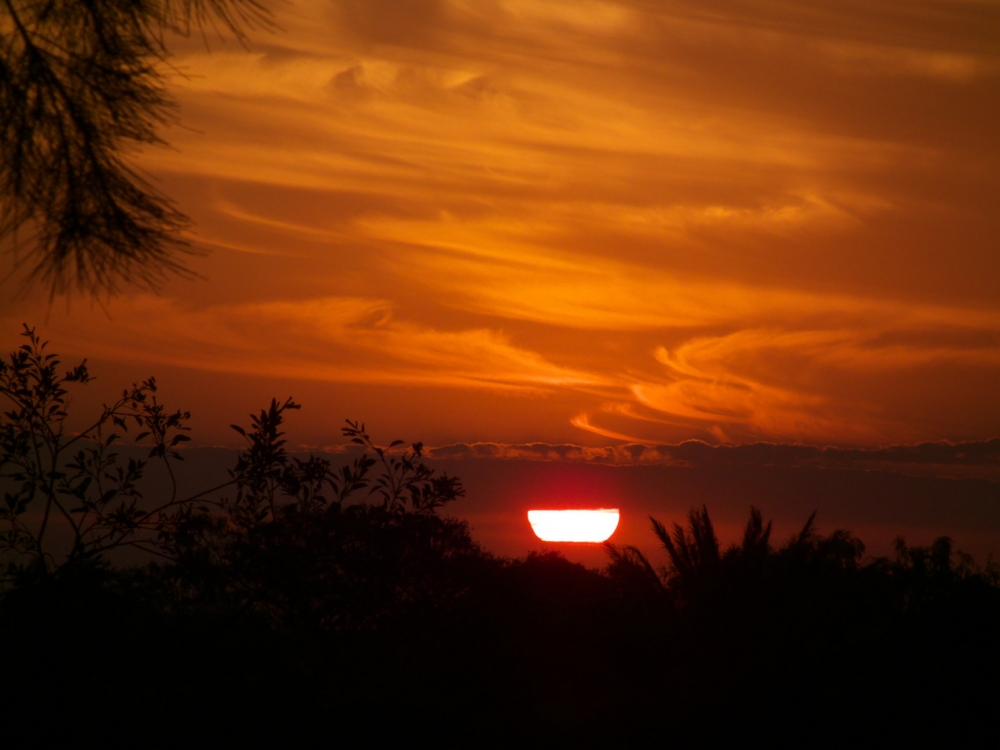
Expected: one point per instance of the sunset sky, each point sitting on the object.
(578, 222)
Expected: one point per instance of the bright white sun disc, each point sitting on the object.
(573, 525)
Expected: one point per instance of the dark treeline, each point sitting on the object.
(303, 600)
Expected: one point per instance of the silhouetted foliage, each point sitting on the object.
(300, 596)
(286, 545)
(82, 83)
(806, 627)
(698, 571)
(74, 479)
(293, 545)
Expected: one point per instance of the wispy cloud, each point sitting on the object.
(957, 460)
(341, 339)
(731, 221)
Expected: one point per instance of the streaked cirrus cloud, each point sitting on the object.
(726, 221)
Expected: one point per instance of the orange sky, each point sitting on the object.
(579, 221)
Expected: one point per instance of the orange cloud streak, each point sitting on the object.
(674, 220)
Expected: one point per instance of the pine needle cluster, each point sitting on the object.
(82, 85)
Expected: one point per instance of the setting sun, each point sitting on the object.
(574, 525)
(305, 304)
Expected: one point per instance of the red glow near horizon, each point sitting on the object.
(574, 525)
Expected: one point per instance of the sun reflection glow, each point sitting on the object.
(574, 525)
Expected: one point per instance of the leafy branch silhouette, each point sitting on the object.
(700, 573)
(287, 537)
(75, 477)
(81, 84)
(405, 477)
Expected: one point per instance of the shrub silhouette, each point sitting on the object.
(76, 479)
(808, 629)
(287, 538)
(298, 595)
(293, 545)
(287, 545)
(698, 571)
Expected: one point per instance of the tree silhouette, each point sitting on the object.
(302, 594)
(295, 543)
(288, 539)
(699, 573)
(81, 84)
(73, 478)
